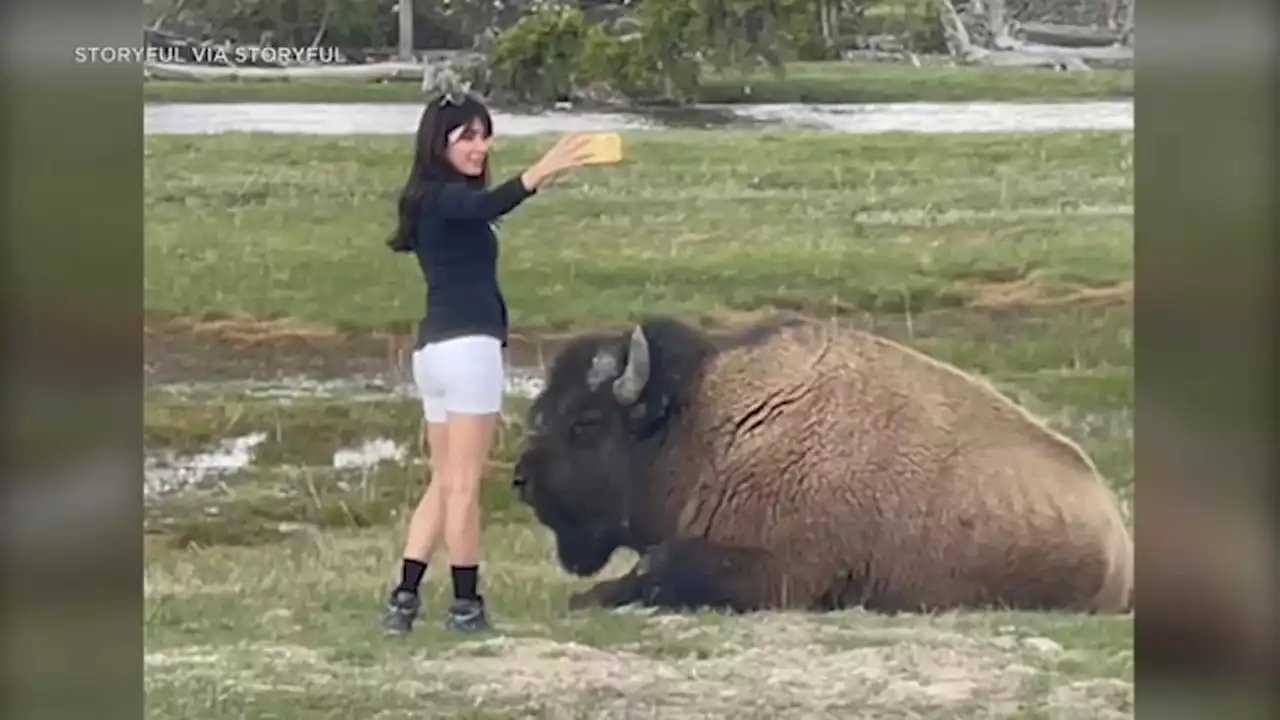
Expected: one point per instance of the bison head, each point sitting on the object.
(592, 435)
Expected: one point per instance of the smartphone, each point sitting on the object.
(605, 148)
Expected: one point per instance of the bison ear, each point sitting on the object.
(635, 375)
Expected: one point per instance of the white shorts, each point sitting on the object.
(462, 375)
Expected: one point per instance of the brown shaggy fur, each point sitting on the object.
(847, 455)
(815, 468)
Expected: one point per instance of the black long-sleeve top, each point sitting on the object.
(457, 250)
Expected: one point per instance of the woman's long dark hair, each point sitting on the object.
(430, 167)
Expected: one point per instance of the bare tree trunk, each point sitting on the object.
(324, 27)
(405, 51)
(998, 23)
(958, 42)
(1126, 33)
(175, 10)
(829, 21)
(1109, 8)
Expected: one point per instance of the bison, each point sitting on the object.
(797, 466)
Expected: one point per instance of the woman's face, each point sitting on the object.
(467, 148)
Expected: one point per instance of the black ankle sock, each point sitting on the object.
(411, 572)
(465, 580)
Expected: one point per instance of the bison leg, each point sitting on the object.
(695, 573)
(614, 593)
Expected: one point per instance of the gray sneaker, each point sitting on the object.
(467, 616)
(402, 610)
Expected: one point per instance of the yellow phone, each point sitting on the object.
(605, 148)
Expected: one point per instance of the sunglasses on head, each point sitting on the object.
(452, 97)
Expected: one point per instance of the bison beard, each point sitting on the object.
(792, 466)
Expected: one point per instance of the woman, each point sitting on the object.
(445, 217)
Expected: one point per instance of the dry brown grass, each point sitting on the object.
(290, 631)
(1027, 292)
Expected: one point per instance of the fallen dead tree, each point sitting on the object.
(371, 72)
(432, 76)
(1068, 36)
(176, 57)
(1008, 44)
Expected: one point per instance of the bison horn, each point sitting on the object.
(636, 374)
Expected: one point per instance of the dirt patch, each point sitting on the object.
(182, 348)
(1026, 292)
(1102, 699)
(776, 670)
(219, 348)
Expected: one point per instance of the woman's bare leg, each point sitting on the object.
(427, 523)
(469, 440)
(425, 528)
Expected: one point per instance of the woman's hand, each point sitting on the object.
(570, 151)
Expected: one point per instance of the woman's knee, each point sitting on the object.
(462, 477)
(433, 493)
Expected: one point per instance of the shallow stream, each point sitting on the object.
(402, 118)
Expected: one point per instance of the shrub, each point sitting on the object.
(537, 58)
(620, 63)
(551, 53)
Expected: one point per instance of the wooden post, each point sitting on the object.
(406, 30)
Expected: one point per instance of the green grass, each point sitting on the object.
(1006, 255)
(694, 222)
(814, 82)
(847, 82)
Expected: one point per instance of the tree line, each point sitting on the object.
(544, 49)
(474, 24)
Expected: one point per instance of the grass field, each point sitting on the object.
(810, 82)
(1010, 255)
